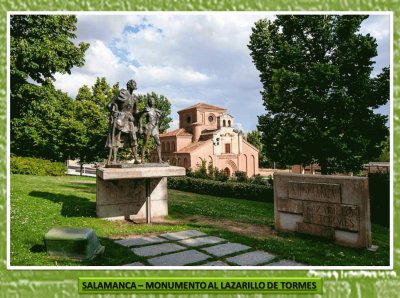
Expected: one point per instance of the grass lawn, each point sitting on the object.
(41, 203)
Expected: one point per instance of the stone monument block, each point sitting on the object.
(125, 192)
(73, 243)
(334, 207)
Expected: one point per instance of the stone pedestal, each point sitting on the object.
(137, 193)
(333, 207)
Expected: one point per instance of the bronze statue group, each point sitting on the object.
(126, 121)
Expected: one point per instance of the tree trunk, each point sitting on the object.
(81, 171)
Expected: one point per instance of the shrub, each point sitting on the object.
(379, 193)
(224, 189)
(36, 166)
(241, 176)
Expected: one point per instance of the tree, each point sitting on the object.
(385, 154)
(42, 118)
(318, 91)
(40, 46)
(91, 113)
(48, 128)
(254, 137)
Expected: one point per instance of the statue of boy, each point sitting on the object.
(150, 129)
(122, 131)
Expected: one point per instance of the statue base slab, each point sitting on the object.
(135, 193)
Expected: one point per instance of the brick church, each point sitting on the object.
(206, 133)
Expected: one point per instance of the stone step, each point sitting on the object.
(179, 259)
(285, 263)
(157, 249)
(194, 242)
(183, 235)
(140, 241)
(225, 249)
(251, 258)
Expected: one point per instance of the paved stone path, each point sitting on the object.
(195, 248)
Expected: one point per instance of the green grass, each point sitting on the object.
(41, 203)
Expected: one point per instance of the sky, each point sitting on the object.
(188, 58)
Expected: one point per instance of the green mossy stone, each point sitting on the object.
(72, 243)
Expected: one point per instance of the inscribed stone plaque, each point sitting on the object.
(322, 192)
(333, 207)
(289, 205)
(340, 216)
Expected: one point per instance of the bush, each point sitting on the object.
(241, 176)
(379, 193)
(36, 166)
(224, 189)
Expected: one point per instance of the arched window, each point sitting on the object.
(163, 147)
(167, 147)
(229, 123)
(224, 123)
(172, 146)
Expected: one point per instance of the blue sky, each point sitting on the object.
(187, 57)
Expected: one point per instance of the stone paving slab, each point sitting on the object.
(135, 264)
(179, 259)
(215, 263)
(157, 249)
(285, 263)
(183, 235)
(251, 258)
(140, 241)
(194, 242)
(225, 249)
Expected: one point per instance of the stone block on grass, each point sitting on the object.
(73, 243)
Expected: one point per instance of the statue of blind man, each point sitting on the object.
(150, 128)
(122, 130)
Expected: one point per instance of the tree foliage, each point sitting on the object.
(47, 128)
(40, 46)
(318, 91)
(42, 118)
(91, 113)
(254, 137)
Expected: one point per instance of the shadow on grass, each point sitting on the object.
(73, 206)
(114, 255)
(38, 248)
(81, 186)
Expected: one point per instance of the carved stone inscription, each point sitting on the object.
(322, 192)
(346, 217)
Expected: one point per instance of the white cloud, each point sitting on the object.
(188, 58)
(168, 75)
(377, 25)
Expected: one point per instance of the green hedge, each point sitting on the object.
(246, 191)
(36, 166)
(379, 194)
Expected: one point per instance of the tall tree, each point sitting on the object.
(40, 47)
(254, 137)
(42, 118)
(90, 112)
(318, 91)
(48, 128)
